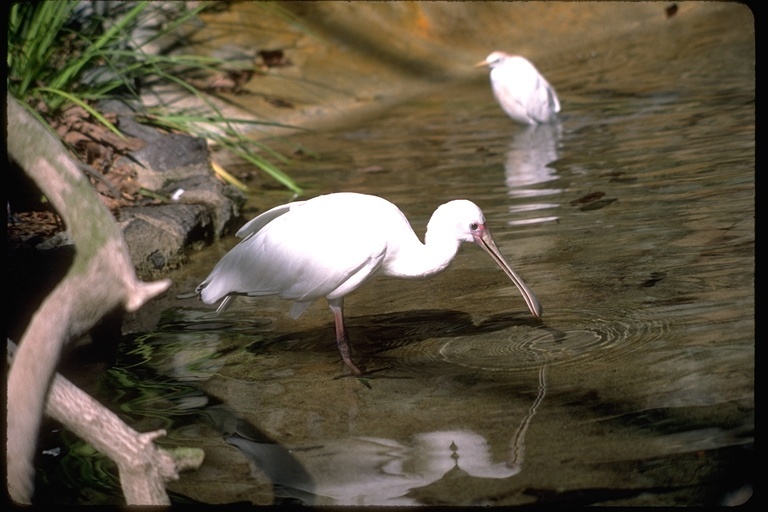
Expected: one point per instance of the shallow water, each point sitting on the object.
(632, 220)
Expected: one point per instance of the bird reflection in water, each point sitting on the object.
(381, 471)
(530, 176)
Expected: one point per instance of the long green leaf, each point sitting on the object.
(70, 72)
(103, 120)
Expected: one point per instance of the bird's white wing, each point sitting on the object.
(297, 255)
(258, 222)
(544, 103)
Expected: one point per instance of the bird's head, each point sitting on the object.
(463, 221)
(460, 220)
(493, 60)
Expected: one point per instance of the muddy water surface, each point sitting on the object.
(633, 221)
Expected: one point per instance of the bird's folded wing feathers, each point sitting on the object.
(255, 224)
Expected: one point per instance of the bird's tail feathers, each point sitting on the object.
(298, 308)
(224, 304)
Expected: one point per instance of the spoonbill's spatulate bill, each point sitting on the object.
(330, 245)
(523, 93)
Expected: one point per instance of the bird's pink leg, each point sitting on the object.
(342, 339)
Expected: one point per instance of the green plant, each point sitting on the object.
(56, 58)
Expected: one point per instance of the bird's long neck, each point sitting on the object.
(414, 259)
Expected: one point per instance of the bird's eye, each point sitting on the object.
(473, 226)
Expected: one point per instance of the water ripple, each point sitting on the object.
(577, 337)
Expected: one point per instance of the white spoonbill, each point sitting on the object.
(330, 245)
(523, 93)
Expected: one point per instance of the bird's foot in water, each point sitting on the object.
(350, 367)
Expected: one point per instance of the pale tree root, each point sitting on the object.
(100, 280)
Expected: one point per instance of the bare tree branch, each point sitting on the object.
(144, 468)
(100, 280)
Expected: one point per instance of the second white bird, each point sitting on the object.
(523, 93)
